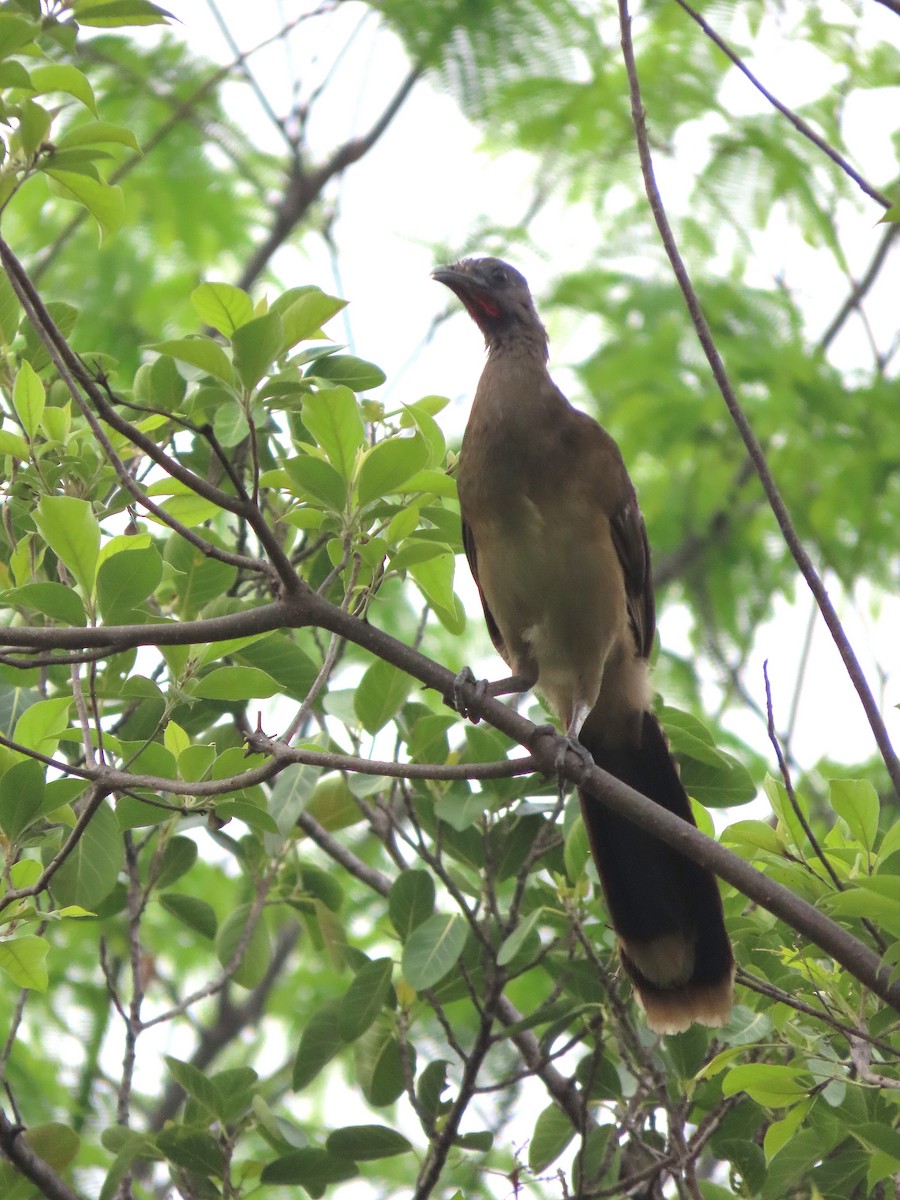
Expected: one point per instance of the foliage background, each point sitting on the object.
(429, 952)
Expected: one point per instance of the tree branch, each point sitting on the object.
(799, 124)
(852, 303)
(72, 369)
(304, 188)
(835, 941)
(704, 335)
(15, 1146)
(506, 768)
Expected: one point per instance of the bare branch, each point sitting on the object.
(704, 335)
(860, 290)
(799, 124)
(304, 188)
(114, 638)
(172, 122)
(789, 786)
(505, 768)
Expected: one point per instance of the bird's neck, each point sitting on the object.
(527, 342)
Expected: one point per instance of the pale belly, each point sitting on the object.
(558, 598)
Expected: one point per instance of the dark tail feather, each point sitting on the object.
(666, 910)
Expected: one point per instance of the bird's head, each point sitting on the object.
(496, 297)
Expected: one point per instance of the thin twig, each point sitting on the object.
(304, 188)
(860, 289)
(754, 449)
(165, 129)
(789, 786)
(799, 124)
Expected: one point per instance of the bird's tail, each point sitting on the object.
(666, 910)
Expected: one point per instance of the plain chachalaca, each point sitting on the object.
(556, 542)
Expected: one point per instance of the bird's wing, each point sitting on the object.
(472, 556)
(629, 535)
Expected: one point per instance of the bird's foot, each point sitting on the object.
(463, 680)
(569, 743)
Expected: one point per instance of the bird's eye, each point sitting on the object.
(498, 275)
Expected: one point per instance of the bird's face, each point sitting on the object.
(495, 294)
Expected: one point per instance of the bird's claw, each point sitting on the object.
(569, 743)
(462, 681)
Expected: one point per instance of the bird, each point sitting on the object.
(557, 545)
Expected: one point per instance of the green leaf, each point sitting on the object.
(71, 530)
(516, 940)
(10, 311)
(410, 901)
(196, 914)
(14, 34)
(222, 306)
(94, 133)
(320, 1041)
(178, 857)
(200, 352)
(792, 1163)
(41, 724)
(133, 1146)
(365, 998)
(56, 1144)
(718, 786)
(125, 580)
(194, 1082)
(309, 1168)
(257, 954)
(230, 422)
(90, 872)
(856, 800)
(52, 599)
(333, 804)
(34, 127)
(22, 790)
(364, 1143)
(431, 1085)
(304, 314)
(236, 683)
(105, 202)
(353, 372)
(768, 1084)
(24, 959)
(432, 949)
(105, 14)
(388, 465)
(12, 444)
(552, 1133)
(380, 695)
(379, 1065)
(332, 416)
(256, 346)
(28, 399)
(317, 479)
(193, 1149)
(434, 579)
(61, 77)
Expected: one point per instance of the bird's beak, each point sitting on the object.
(451, 276)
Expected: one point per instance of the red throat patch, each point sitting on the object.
(487, 307)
